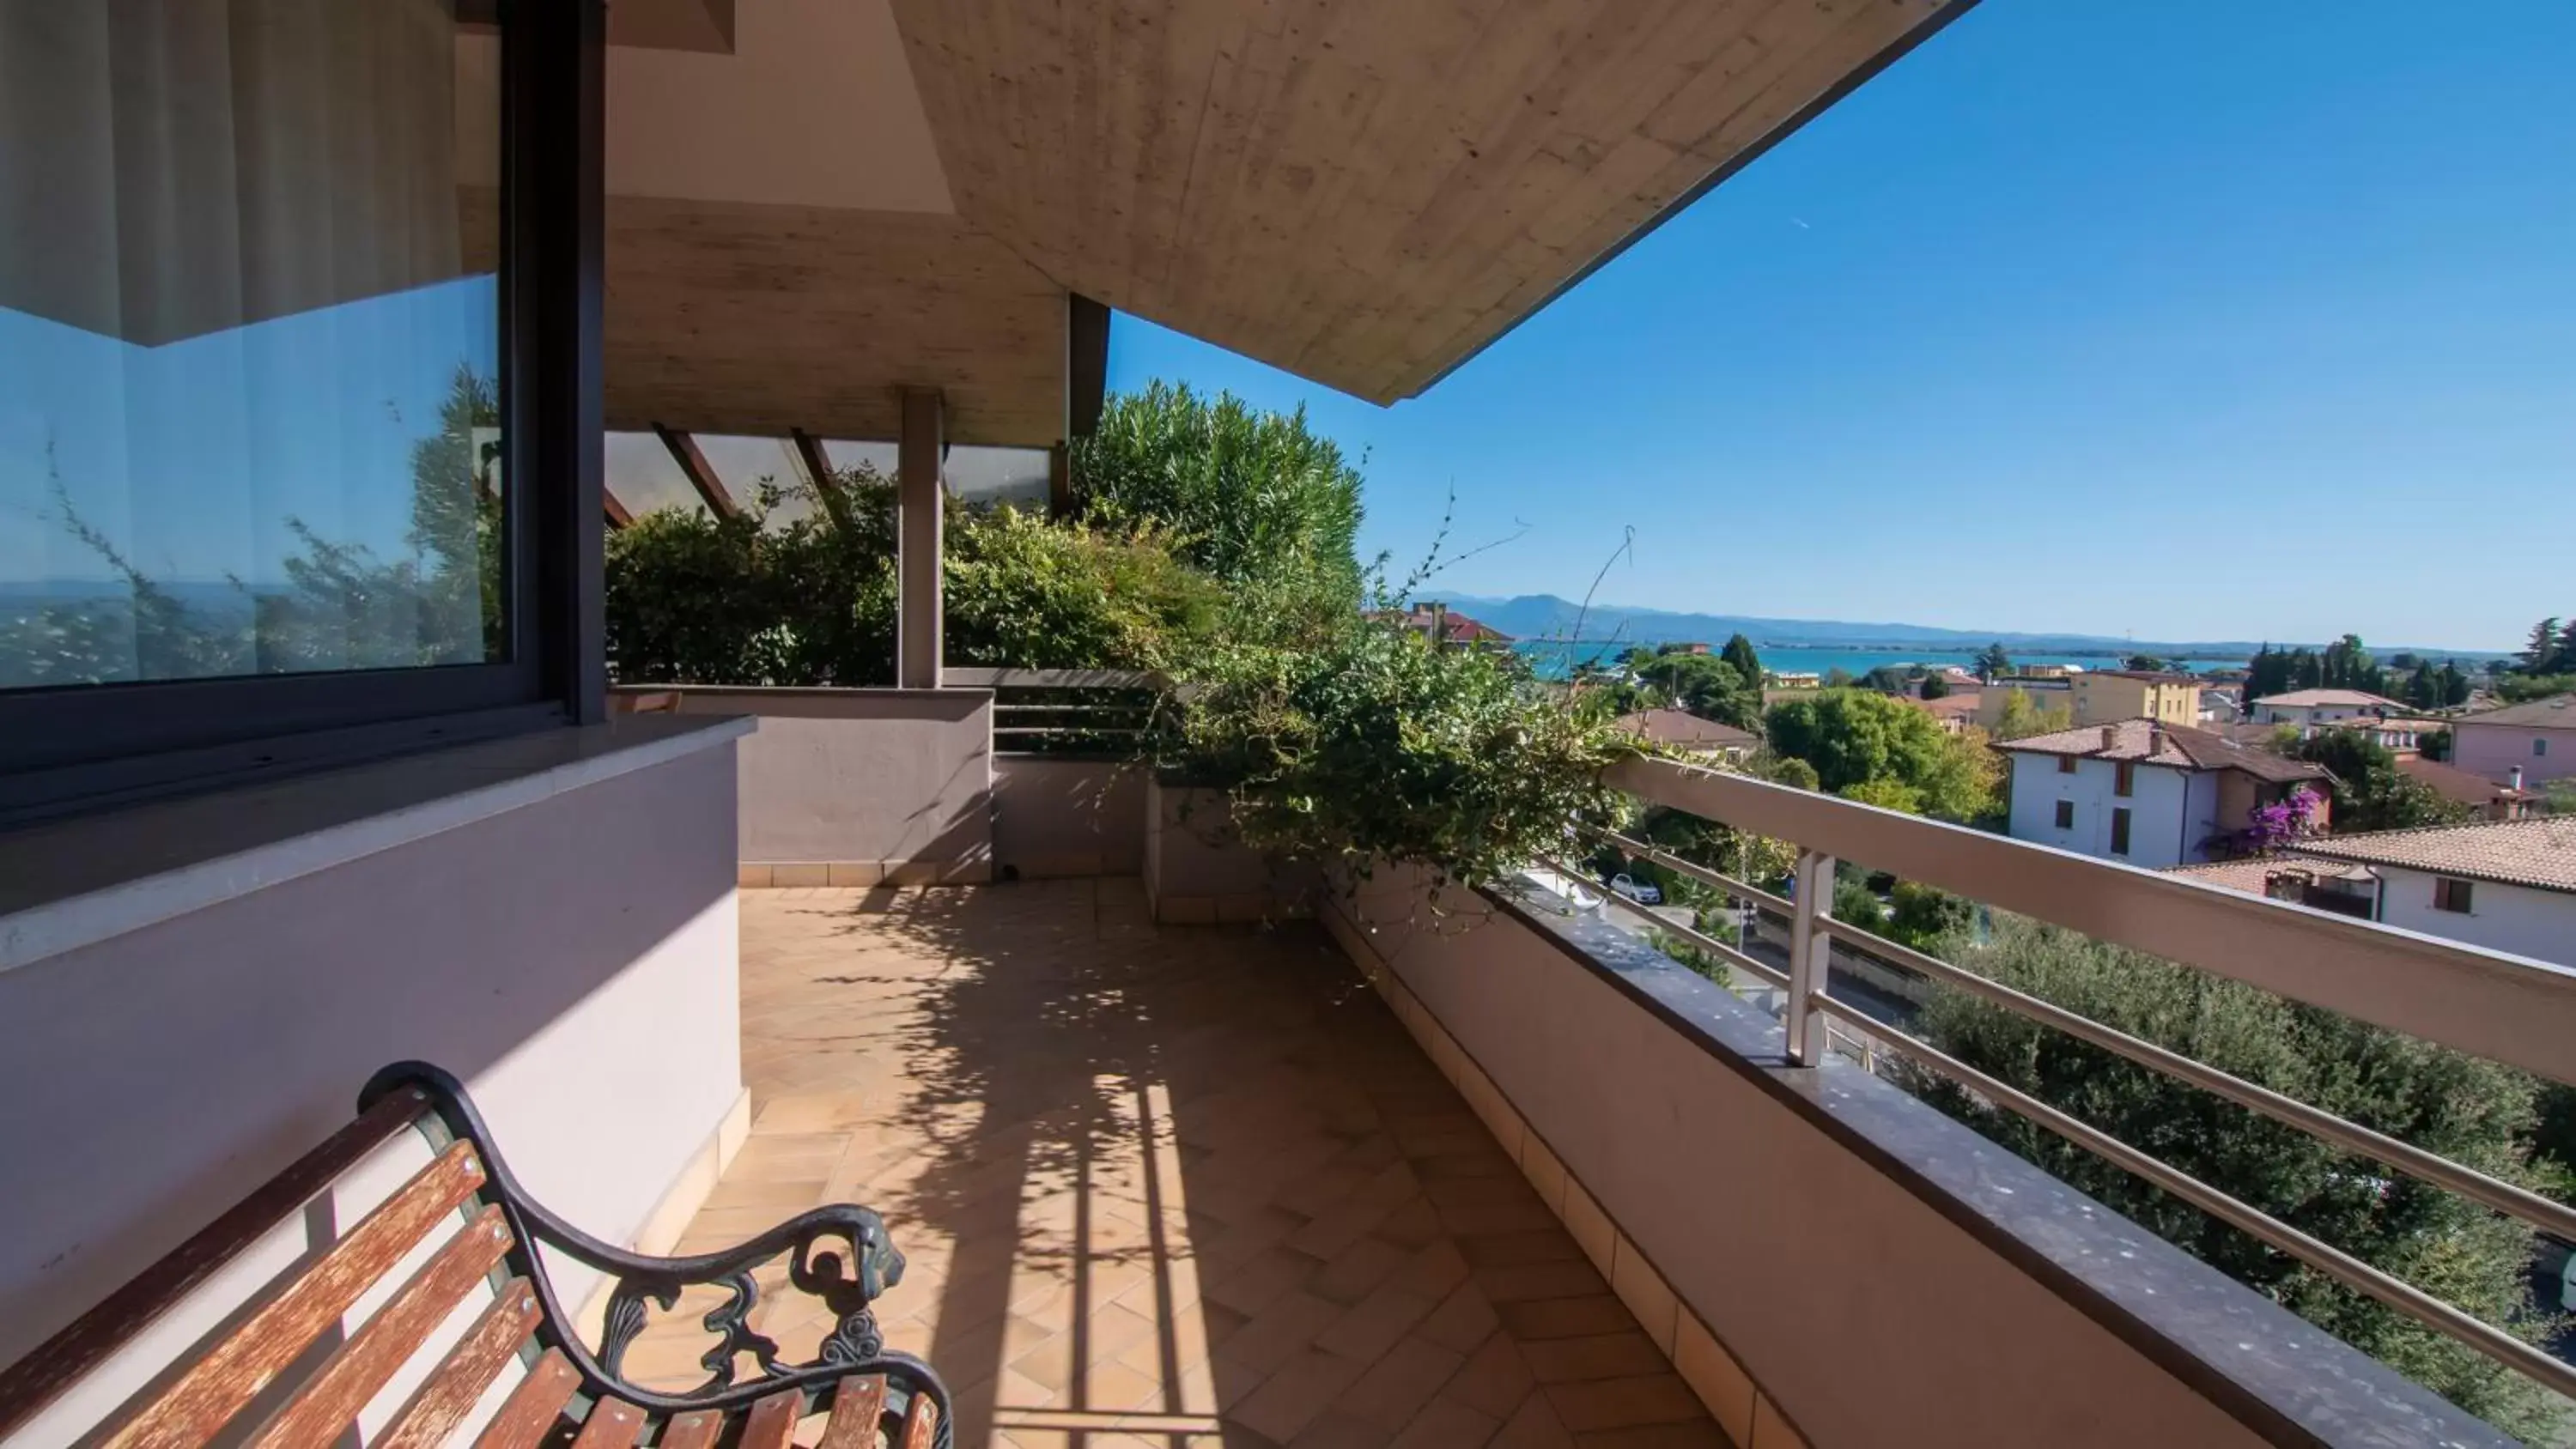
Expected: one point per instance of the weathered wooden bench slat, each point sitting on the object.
(38, 1379)
(613, 1424)
(357, 1369)
(194, 1409)
(453, 1388)
(861, 1403)
(693, 1430)
(530, 1412)
(921, 1423)
(772, 1421)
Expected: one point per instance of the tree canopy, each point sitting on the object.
(1242, 494)
(2369, 791)
(2470, 1111)
(1992, 663)
(1705, 685)
(1880, 749)
(1739, 655)
(2344, 664)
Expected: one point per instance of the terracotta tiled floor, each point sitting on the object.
(1168, 1185)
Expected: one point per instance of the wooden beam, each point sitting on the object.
(809, 451)
(616, 512)
(919, 529)
(1060, 481)
(702, 477)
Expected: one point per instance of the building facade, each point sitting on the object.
(2537, 738)
(2309, 708)
(2145, 793)
(2508, 885)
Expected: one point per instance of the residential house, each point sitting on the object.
(2507, 801)
(2508, 885)
(2099, 696)
(2145, 792)
(1681, 730)
(1953, 712)
(2220, 705)
(2537, 738)
(1792, 679)
(2309, 708)
(1447, 626)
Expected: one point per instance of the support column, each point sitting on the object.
(919, 529)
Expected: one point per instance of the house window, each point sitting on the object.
(2120, 832)
(2066, 764)
(280, 454)
(2451, 895)
(2065, 814)
(2124, 779)
(2539, 747)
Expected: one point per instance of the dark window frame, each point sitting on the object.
(2066, 764)
(66, 748)
(2454, 895)
(2124, 778)
(2065, 816)
(2120, 830)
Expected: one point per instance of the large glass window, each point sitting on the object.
(250, 341)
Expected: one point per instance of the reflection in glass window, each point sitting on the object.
(249, 340)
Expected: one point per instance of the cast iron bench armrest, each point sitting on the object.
(839, 1254)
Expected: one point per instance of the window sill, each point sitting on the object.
(72, 883)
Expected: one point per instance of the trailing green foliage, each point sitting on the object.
(2472, 1112)
(1371, 744)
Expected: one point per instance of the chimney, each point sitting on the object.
(2155, 738)
(2110, 736)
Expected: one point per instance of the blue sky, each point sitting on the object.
(2181, 318)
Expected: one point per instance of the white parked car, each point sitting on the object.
(1644, 893)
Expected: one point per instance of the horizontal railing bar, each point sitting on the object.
(2350, 1271)
(2504, 1197)
(2506, 1008)
(986, 677)
(1067, 729)
(1781, 905)
(1715, 947)
(1013, 707)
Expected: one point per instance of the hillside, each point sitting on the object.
(1542, 616)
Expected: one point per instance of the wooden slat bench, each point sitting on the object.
(227, 1389)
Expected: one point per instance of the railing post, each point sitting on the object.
(1809, 952)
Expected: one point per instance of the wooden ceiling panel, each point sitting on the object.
(729, 317)
(1365, 192)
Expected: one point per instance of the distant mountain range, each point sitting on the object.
(1545, 616)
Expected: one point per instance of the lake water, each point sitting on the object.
(1552, 655)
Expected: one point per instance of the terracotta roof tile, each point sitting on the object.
(2556, 712)
(2539, 853)
(1685, 730)
(2312, 698)
(2181, 747)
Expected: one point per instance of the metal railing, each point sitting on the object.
(2485, 1003)
(1064, 711)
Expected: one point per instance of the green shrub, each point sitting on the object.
(1369, 743)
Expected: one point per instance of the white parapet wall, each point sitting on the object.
(554, 924)
(1825, 1259)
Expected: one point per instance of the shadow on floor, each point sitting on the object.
(1172, 1185)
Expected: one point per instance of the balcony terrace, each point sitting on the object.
(1168, 1184)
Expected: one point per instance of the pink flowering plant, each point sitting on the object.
(2272, 827)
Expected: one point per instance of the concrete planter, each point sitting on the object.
(1199, 872)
